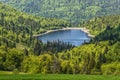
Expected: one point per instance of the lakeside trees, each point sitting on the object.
(18, 27)
(99, 24)
(102, 57)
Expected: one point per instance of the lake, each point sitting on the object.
(74, 36)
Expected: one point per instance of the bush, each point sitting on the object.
(95, 72)
(112, 68)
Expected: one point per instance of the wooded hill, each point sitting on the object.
(16, 37)
(74, 11)
(20, 27)
(100, 56)
(17, 29)
(99, 24)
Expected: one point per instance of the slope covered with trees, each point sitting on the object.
(99, 24)
(100, 56)
(19, 27)
(74, 11)
(16, 37)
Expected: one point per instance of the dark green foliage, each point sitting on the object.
(50, 47)
(57, 46)
(110, 34)
(74, 11)
(99, 24)
(6, 42)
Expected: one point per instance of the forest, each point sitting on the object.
(19, 49)
(74, 11)
(16, 35)
(99, 24)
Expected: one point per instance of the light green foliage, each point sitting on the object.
(111, 68)
(88, 59)
(10, 58)
(37, 64)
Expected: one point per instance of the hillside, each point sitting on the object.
(74, 11)
(101, 56)
(99, 24)
(20, 27)
(16, 37)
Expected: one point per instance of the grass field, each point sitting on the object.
(56, 77)
(7, 75)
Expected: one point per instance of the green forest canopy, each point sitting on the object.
(100, 56)
(74, 11)
(99, 24)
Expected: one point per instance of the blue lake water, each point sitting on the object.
(74, 36)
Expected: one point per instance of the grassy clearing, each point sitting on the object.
(5, 72)
(56, 77)
(20, 46)
(9, 73)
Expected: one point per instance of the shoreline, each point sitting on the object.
(68, 28)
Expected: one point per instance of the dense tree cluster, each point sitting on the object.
(38, 47)
(99, 24)
(74, 11)
(106, 35)
(100, 58)
(18, 27)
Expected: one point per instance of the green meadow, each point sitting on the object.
(10, 76)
